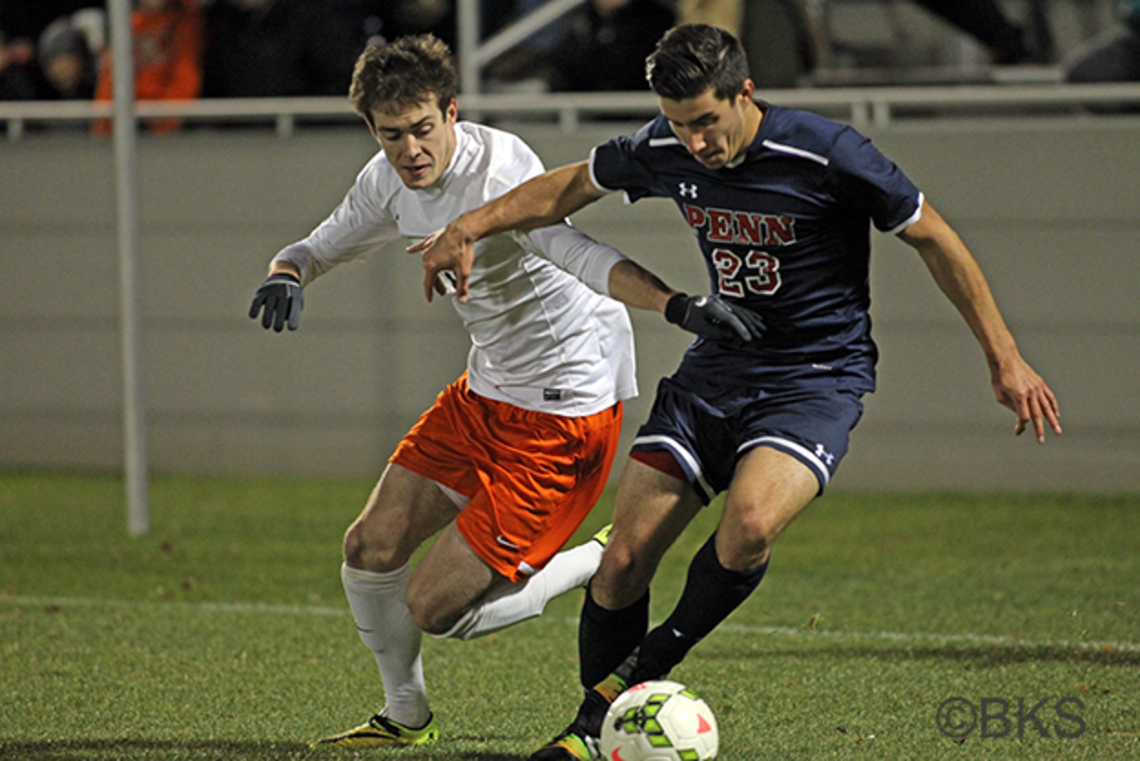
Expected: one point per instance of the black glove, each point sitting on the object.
(282, 298)
(714, 318)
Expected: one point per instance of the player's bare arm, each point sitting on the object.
(607, 271)
(539, 202)
(707, 316)
(635, 286)
(1016, 385)
(277, 268)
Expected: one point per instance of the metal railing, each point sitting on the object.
(866, 108)
(475, 53)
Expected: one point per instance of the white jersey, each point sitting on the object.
(541, 339)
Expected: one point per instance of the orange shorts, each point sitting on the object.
(531, 477)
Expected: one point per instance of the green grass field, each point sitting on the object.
(224, 634)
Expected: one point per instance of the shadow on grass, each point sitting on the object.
(192, 750)
(998, 655)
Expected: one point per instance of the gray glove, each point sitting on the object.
(713, 317)
(282, 298)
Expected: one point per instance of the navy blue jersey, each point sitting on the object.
(785, 232)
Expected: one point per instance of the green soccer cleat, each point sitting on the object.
(603, 536)
(580, 740)
(382, 732)
(568, 746)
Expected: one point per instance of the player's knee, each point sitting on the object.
(355, 547)
(362, 550)
(747, 546)
(622, 578)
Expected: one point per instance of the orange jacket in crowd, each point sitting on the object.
(168, 59)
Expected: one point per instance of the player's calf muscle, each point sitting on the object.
(432, 616)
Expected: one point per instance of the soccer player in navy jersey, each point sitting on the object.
(781, 202)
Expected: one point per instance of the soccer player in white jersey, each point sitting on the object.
(512, 456)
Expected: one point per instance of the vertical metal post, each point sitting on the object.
(467, 36)
(134, 428)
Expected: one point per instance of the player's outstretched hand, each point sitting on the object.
(448, 250)
(712, 317)
(282, 299)
(1019, 387)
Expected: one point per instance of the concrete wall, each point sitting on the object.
(1049, 210)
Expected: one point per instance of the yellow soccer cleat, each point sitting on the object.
(603, 536)
(382, 732)
(568, 746)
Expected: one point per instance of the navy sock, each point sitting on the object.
(711, 593)
(606, 637)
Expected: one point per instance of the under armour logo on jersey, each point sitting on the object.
(823, 454)
(687, 189)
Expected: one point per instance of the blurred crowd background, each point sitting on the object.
(186, 49)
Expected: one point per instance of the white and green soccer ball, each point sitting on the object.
(659, 721)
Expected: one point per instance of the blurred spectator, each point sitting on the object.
(258, 48)
(385, 20)
(22, 22)
(547, 38)
(985, 21)
(19, 78)
(776, 35)
(724, 14)
(66, 60)
(167, 42)
(1114, 57)
(605, 43)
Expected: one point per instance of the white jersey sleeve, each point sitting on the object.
(583, 257)
(361, 224)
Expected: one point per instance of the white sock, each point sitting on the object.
(387, 629)
(509, 603)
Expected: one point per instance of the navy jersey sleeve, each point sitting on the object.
(873, 183)
(623, 163)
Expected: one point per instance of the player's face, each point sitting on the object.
(715, 131)
(419, 141)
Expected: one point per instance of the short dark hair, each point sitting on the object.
(691, 58)
(403, 73)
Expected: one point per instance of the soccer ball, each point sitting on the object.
(659, 721)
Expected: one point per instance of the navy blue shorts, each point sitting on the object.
(812, 424)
